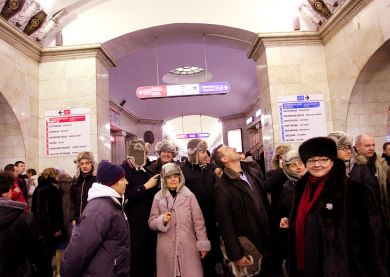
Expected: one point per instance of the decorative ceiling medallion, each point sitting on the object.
(321, 8)
(11, 7)
(35, 23)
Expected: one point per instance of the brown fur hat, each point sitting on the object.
(193, 146)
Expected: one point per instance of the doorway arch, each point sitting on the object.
(11, 140)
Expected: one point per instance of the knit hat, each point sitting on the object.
(167, 145)
(167, 170)
(318, 146)
(136, 152)
(86, 155)
(193, 146)
(108, 174)
(341, 138)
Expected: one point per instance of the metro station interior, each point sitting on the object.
(64, 55)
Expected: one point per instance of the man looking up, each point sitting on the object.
(242, 209)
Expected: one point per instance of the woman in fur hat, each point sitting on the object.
(182, 239)
(294, 169)
(335, 228)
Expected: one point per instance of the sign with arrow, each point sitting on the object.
(67, 132)
(183, 90)
(301, 117)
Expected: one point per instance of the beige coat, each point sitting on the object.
(179, 242)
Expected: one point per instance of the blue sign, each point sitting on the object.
(303, 105)
(214, 88)
(192, 135)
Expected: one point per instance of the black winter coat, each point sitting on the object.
(47, 208)
(23, 251)
(201, 182)
(155, 166)
(137, 208)
(243, 212)
(350, 238)
(274, 184)
(79, 194)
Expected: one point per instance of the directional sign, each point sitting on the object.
(67, 132)
(183, 90)
(301, 117)
(192, 135)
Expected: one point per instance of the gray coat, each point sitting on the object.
(100, 244)
(179, 242)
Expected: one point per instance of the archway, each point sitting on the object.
(369, 103)
(11, 139)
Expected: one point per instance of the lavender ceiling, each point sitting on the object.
(182, 45)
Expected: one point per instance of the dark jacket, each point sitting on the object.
(137, 209)
(241, 211)
(273, 184)
(344, 234)
(155, 166)
(100, 244)
(201, 182)
(79, 194)
(23, 251)
(47, 208)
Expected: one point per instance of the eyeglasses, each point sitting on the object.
(320, 161)
(296, 165)
(344, 147)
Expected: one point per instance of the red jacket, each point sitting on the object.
(17, 196)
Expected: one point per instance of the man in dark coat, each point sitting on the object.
(100, 243)
(81, 183)
(22, 249)
(140, 193)
(200, 179)
(166, 151)
(242, 209)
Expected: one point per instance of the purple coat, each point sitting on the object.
(179, 242)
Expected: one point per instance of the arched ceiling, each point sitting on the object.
(184, 45)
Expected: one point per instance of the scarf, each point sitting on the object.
(312, 192)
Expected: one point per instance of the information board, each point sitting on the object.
(183, 90)
(301, 117)
(67, 132)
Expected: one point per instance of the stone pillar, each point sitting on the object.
(288, 64)
(76, 77)
(118, 147)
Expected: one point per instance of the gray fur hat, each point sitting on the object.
(341, 138)
(136, 152)
(85, 155)
(167, 170)
(193, 146)
(290, 157)
(167, 145)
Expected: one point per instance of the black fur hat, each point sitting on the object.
(318, 146)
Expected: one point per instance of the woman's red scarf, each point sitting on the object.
(307, 201)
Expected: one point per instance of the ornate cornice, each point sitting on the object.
(60, 53)
(265, 40)
(233, 116)
(344, 15)
(19, 41)
(117, 107)
(299, 38)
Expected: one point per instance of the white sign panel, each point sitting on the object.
(67, 132)
(301, 117)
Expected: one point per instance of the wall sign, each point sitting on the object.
(67, 132)
(301, 117)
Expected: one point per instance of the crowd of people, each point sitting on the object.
(323, 210)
